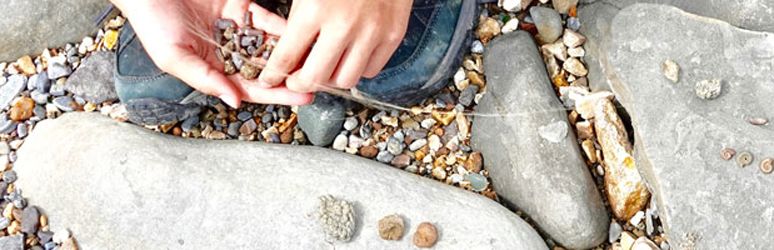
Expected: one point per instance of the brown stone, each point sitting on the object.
(426, 235)
(391, 227)
(589, 150)
(22, 109)
(475, 162)
(585, 130)
(287, 136)
(476, 79)
(626, 191)
(249, 70)
(26, 66)
(488, 29)
(368, 151)
(401, 161)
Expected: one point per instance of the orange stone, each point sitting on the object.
(574, 11)
(26, 66)
(560, 81)
(22, 109)
(111, 36)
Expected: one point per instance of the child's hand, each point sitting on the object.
(173, 33)
(354, 38)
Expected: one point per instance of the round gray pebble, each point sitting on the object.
(9, 176)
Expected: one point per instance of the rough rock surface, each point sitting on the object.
(94, 79)
(596, 17)
(28, 27)
(522, 164)
(141, 188)
(679, 137)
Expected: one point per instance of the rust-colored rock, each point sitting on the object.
(475, 162)
(626, 190)
(426, 235)
(391, 227)
(368, 151)
(22, 109)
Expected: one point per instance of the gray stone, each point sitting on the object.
(28, 27)
(151, 192)
(384, 156)
(524, 166)
(322, 120)
(244, 116)
(64, 103)
(57, 90)
(57, 70)
(13, 242)
(38, 97)
(43, 84)
(11, 89)
(614, 232)
(9, 176)
(233, 129)
(21, 130)
(30, 220)
(94, 78)
(678, 137)
(596, 17)
(6, 125)
(468, 94)
(548, 23)
(394, 145)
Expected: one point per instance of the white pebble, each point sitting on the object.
(459, 76)
(428, 123)
(61, 236)
(510, 26)
(340, 143)
(637, 218)
(350, 123)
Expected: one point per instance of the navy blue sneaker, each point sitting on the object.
(439, 33)
(151, 96)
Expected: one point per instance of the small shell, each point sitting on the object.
(727, 154)
(759, 121)
(744, 159)
(767, 165)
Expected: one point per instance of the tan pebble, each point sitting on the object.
(11, 188)
(43, 220)
(444, 117)
(476, 79)
(488, 29)
(14, 228)
(671, 70)
(8, 211)
(576, 52)
(426, 235)
(391, 227)
(474, 163)
(589, 150)
(573, 39)
(573, 117)
(439, 173)
(627, 240)
(69, 244)
(26, 66)
(556, 49)
(463, 126)
(390, 121)
(575, 67)
(585, 130)
(643, 243)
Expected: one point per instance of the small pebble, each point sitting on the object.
(244, 116)
(350, 124)
(614, 232)
(418, 144)
(425, 236)
(391, 227)
(394, 145)
(573, 24)
(384, 157)
(65, 103)
(9, 176)
(708, 89)
(637, 218)
(340, 143)
(477, 182)
(477, 47)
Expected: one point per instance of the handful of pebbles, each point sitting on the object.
(239, 44)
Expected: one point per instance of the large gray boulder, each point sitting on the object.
(531, 153)
(28, 27)
(596, 18)
(704, 201)
(116, 184)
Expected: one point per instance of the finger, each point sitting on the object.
(321, 63)
(288, 52)
(275, 95)
(267, 21)
(379, 59)
(352, 66)
(200, 75)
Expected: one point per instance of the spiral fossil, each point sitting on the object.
(727, 154)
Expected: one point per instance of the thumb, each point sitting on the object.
(203, 77)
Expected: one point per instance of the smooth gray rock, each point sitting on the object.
(28, 27)
(596, 17)
(747, 14)
(14, 242)
(548, 181)
(321, 121)
(94, 78)
(548, 23)
(12, 88)
(679, 137)
(141, 188)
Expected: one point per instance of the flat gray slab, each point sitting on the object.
(115, 184)
(679, 136)
(529, 149)
(28, 27)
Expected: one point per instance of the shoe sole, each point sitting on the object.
(152, 111)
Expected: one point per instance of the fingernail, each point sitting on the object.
(229, 100)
